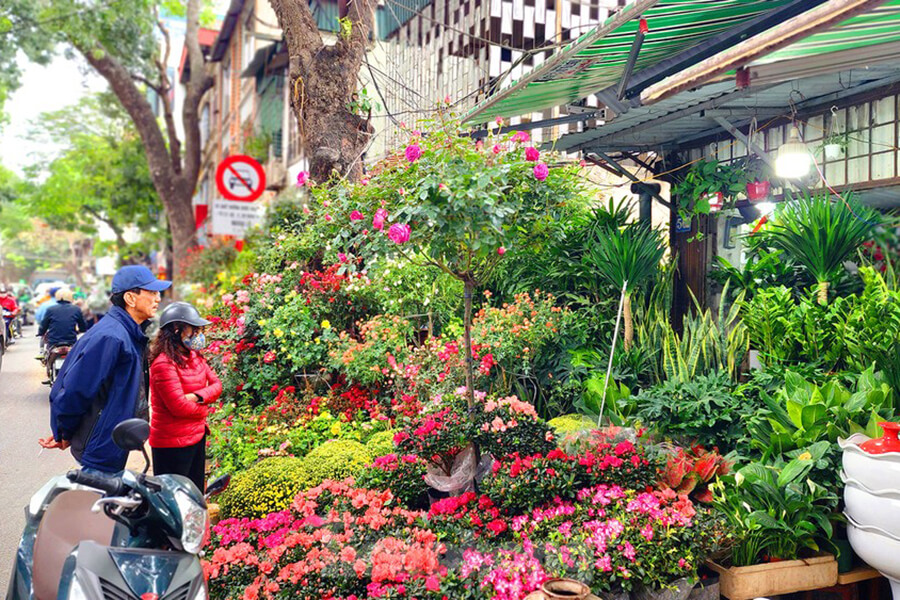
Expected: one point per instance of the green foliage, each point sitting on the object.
(268, 486)
(296, 335)
(820, 234)
(203, 264)
(777, 510)
(381, 443)
(872, 328)
(631, 254)
(404, 476)
(708, 177)
(20, 32)
(335, 459)
(704, 410)
(570, 424)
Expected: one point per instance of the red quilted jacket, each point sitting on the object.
(174, 421)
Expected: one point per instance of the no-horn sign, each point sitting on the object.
(240, 177)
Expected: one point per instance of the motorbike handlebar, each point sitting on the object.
(113, 486)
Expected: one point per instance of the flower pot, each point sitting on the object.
(757, 190)
(889, 442)
(436, 495)
(716, 201)
(564, 589)
(833, 151)
(677, 590)
(784, 577)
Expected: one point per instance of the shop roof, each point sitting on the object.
(598, 59)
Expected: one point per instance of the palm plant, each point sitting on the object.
(626, 258)
(820, 235)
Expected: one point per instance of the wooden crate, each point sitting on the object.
(771, 579)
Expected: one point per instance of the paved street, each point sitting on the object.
(24, 417)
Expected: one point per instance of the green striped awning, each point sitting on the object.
(877, 26)
(597, 59)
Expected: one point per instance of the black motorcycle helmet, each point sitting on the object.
(181, 312)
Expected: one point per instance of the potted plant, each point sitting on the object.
(756, 172)
(780, 517)
(834, 145)
(708, 184)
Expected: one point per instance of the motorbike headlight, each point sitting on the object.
(193, 522)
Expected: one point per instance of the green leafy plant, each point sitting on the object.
(336, 460)
(820, 233)
(778, 512)
(705, 178)
(627, 258)
(268, 486)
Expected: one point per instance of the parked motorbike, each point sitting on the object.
(90, 536)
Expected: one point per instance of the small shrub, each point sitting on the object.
(336, 460)
(381, 443)
(569, 424)
(404, 476)
(268, 486)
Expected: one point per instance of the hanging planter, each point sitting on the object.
(833, 151)
(758, 190)
(716, 201)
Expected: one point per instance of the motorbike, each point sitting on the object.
(54, 357)
(12, 324)
(90, 536)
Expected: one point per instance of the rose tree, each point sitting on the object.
(452, 202)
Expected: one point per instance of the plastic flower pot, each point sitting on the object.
(716, 201)
(757, 190)
(833, 151)
(564, 589)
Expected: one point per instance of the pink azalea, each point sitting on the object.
(532, 154)
(398, 233)
(302, 178)
(378, 220)
(521, 136)
(413, 152)
(342, 257)
(541, 171)
(356, 216)
(501, 250)
(364, 181)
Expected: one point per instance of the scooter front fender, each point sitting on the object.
(105, 572)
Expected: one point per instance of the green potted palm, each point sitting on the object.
(820, 233)
(626, 258)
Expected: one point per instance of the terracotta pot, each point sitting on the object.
(757, 190)
(565, 589)
(889, 442)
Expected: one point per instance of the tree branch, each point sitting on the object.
(300, 30)
(120, 238)
(166, 85)
(153, 86)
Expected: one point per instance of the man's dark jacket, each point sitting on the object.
(101, 384)
(61, 324)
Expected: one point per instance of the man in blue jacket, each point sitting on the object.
(104, 379)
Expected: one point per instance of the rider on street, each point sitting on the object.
(8, 302)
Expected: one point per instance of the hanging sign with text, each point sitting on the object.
(235, 218)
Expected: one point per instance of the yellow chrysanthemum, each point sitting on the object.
(326, 324)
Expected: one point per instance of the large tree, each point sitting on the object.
(127, 42)
(323, 84)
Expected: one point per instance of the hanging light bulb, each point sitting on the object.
(793, 161)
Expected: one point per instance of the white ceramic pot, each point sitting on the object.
(873, 508)
(878, 549)
(833, 151)
(874, 471)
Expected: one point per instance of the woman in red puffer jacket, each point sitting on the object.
(182, 386)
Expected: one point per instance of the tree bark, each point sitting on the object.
(823, 292)
(322, 85)
(174, 173)
(467, 339)
(628, 319)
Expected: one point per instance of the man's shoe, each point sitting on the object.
(47, 382)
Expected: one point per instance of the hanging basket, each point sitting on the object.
(833, 151)
(716, 201)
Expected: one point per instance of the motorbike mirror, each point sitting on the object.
(218, 485)
(131, 434)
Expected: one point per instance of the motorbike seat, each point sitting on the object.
(67, 522)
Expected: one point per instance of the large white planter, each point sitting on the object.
(879, 549)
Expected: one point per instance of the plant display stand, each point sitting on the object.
(744, 583)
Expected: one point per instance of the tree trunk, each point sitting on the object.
(467, 339)
(627, 318)
(323, 84)
(823, 292)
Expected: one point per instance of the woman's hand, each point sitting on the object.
(192, 398)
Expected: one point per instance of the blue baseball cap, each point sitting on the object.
(137, 276)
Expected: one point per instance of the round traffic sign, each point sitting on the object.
(240, 177)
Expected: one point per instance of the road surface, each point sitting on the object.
(24, 417)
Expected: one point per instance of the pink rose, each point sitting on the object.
(398, 233)
(413, 152)
(328, 217)
(496, 149)
(541, 171)
(302, 178)
(498, 120)
(501, 250)
(342, 257)
(356, 216)
(532, 154)
(269, 357)
(364, 181)
(447, 99)
(305, 210)
(521, 136)
(378, 220)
